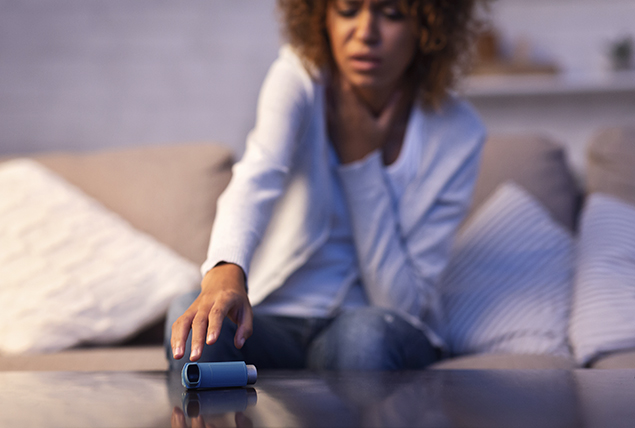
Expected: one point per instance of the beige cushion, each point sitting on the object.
(505, 362)
(73, 271)
(535, 163)
(616, 360)
(611, 163)
(168, 192)
(90, 359)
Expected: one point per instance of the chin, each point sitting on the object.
(369, 80)
(366, 82)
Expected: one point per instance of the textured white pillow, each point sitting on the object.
(73, 272)
(507, 288)
(603, 316)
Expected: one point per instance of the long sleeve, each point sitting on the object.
(259, 178)
(403, 248)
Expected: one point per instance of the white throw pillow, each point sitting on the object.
(603, 316)
(73, 272)
(507, 287)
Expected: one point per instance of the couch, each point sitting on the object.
(168, 193)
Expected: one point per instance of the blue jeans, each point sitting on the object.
(369, 338)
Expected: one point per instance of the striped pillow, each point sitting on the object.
(508, 284)
(603, 316)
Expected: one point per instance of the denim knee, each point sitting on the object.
(223, 349)
(361, 339)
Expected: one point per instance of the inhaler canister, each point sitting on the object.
(218, 375)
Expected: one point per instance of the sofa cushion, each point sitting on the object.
(505, 362)
(168, 192)
(611, 163)
(603, 316)
(538, 165)
(508, 283)
(616, 360)
(147, 358)
(72, 271)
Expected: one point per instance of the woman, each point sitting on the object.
(338, 220)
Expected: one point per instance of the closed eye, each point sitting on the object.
(392, 10)
(348, 8)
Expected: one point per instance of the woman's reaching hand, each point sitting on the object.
(223, 294)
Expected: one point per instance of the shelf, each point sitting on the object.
(532, 85)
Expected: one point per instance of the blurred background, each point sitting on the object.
(81, 75)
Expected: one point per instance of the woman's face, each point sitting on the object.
(373, 42)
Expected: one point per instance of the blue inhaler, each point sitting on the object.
(218, 375)
(218, 401)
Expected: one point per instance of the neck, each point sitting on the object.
(376, 98)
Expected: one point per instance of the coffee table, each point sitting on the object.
(434, 398)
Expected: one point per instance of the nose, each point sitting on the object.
(367, 27)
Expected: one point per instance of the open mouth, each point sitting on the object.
(365, 62)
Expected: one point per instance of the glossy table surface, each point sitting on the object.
(434, 398)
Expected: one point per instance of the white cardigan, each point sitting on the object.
(276, 210)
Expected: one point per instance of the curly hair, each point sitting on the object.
(446, 30)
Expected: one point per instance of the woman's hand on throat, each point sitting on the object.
(356, 131)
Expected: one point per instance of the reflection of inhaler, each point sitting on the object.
(216, 402)
(218, 375)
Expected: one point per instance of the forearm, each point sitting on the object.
(390, 277)
(258, 180)
(244, 210)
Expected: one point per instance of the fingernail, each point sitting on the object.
(177, 350)
(195, 353)
(210, 337)
(241, 341)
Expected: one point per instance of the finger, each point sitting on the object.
(199, 328)
(352, 99)
(200, 422)
(178, 418)
(245, 326)
(242, 421)
(215, 319)
(180, 331)
(391, 110)
(349, 96)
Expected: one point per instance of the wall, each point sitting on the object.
(586, 95)
(574, 33)
(85, 74)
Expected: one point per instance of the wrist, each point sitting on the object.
(229, 267)
(225, 275)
